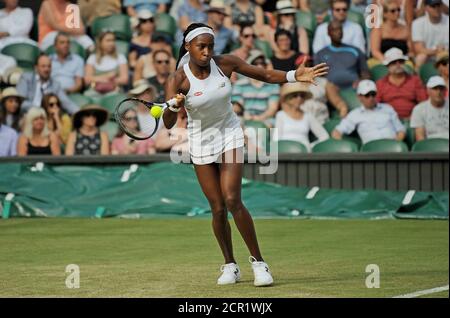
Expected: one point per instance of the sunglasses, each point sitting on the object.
(131, 119)
(163, 62)
(443, 63)
(246, 36)
(146, 20)
(436, 5)
(398, 10)
(370, 94)
(260, 63)
(341, 9)
(297, 95)
(53, 104)
(397, 62)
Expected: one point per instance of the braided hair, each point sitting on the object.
(190, 28)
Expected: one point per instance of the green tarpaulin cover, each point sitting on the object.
(170, 190)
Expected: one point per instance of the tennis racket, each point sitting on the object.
(136, 117)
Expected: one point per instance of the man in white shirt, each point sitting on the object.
(430, 32)
(15, 24)
(372, 120)
(430, 118)
(353, 33)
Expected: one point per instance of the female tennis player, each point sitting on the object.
(201, 84)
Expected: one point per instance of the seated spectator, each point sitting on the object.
(87, 139)
(90, 10)
(249, 13)
(161, 62)
(347, 63)
(442, 66)
(142, 89)
(7, 63)
(347, 67)
(124, 145)
(392, 33)
(33, 86)
(430, 118)
(189, 12)
(175, 139)
(352, 32)
(247, 37)
(11, 108)
(53, 18)
(285, 58)
(145, 67)
(67, 68)
(36, 139)
(140, 44)
(430, 32)
(135, 6)
(11, 30)
(251, 137)
(260, 99)
(106, 70)
(292, 122)
(399, 89)
(372, 120)
(216, 16)
(8, 139)
(58, 122)
(318, 7)
(286, 21)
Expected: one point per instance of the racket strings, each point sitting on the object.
(135, 119)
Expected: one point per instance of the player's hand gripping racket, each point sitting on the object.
(139, 119)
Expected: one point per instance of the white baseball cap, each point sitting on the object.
(365, 87)
(436, 81)
(394, 54)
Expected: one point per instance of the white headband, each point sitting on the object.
(196, 32)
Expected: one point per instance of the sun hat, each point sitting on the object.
(99, 112)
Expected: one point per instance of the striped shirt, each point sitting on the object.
(256, 100)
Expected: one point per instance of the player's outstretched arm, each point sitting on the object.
(302, 74)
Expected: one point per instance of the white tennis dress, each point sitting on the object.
(213, 126)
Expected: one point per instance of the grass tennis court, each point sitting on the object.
(180, 258)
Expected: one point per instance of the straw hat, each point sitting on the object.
(285, 7)
(100, 113)
(217, 6)
(442, 56)
(10, 92)
(254, 55)
(12, 75)
(297, 87)
(141, 86)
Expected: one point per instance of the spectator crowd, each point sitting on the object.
(385, 80)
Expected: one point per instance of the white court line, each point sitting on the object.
(423, 292)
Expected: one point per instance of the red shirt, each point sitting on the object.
(404, 97)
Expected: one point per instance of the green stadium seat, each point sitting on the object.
(80, 100)
(410, 138)
(378, 72)
(431, 145)
(25, 54)
(332, 145)
(117, 23)
(165, 23)
(308, 21)
(111, 128)
(385, 145)
(350, 98)
(256, 125)
(75, 48)
(331, 124)
(426, 71)
(110, 102)
(288, 146)
(123, 47)
(264, 46)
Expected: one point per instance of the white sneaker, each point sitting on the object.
(231, 274)
(263, 277)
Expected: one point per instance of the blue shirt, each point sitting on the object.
(65, 72)
(8, 141)
(139, 5)
(346, 64)
(372, 124)
(222, 38)
(194, 15)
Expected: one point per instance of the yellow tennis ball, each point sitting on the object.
(156, 111)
